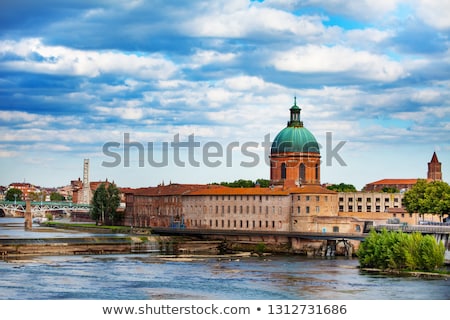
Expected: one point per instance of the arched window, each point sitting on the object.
(317, 171)
(302, 173)
(283, 171)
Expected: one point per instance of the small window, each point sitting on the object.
(335, 229)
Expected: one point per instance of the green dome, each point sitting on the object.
(294, 139)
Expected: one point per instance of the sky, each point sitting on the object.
(194, 91)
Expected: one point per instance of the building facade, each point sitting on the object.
(296, 202)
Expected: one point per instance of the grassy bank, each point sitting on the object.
(91, 227)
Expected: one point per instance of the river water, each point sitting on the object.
(153, 276)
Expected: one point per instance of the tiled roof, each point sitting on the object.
(394, 181)
(168, 190)
(220, 190)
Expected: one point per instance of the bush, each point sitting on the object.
(401, 251)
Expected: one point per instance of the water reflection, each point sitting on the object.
(152, 276)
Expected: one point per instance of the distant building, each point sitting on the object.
(434, 174)
(25, 187)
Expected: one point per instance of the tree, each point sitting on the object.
(401, 251)
(10, 195)
(424, 197)
(105, 202)
(242, 183)
(342, 187)
(263, 183)
(389, 190)
(56, 196)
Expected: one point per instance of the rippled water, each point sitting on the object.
(157, 277)
(151, 276)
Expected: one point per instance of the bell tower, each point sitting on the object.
(434, 169)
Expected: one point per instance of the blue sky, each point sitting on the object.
(76, 75)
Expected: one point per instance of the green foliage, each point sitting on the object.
(56, 196)
(260, 248)
(401, 251)
(390, 190)
(11, 192)
(105, 202)
(342, 187)
(242, 183)
(263, 183)
(433, 197)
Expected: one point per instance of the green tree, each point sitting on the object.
(389, 190)
(423, 197)
(14, 191)
(413, 200)
(342, 187)
(56, 196)
(263, 183)
(105, 201)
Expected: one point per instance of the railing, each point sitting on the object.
(408, 228)
(42, 206)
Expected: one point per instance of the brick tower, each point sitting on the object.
(434, 169)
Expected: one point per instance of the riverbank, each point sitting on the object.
(417, 274)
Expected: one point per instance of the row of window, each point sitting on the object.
(308, 210)
(228, 209)
(368, 208)
(237, 209)
(238, 224)
(260, 198)
(360, 199)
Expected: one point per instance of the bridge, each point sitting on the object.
(259, 233)
(40, 207)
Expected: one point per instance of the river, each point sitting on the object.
(154, 277)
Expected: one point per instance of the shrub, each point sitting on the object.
(401, 251)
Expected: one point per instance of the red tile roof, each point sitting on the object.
(394, 181)
(221, 190)
(204, 189)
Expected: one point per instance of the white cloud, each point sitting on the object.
(206, 57)
(361, 9)
(34, 56)
(434, 13)
(8, 154)
(244, 21)
(338, 59)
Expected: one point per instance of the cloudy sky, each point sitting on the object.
(80, 78)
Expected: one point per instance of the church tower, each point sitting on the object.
(294, 155)
(434, 169)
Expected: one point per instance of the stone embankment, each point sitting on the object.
(13, 248)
